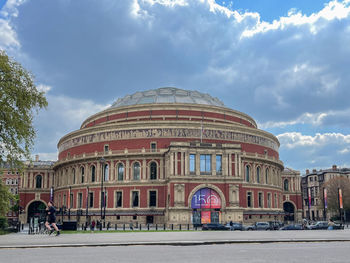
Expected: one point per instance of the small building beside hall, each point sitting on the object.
(165, 156)
(312, 184)
(11, 179)
(292, 198)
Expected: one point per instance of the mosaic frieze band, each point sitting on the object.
(167, 133)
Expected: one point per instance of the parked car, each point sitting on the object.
(275, 225)
(214, 226)
(249, 227)
(292, 227)
(319, 225)
(258, 226)
(235, 226)
(262, 226)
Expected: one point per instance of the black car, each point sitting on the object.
(215, 226)
(292, 227)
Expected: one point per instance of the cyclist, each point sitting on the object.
(51, 219)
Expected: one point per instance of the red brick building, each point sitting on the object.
(164, 156)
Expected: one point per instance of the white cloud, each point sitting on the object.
(318, 151)
(315, 22)
(8, 36)
(293, 71)
(44, 88)
(296, 139)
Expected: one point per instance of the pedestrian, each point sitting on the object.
(231, 225)
(51, 219)
(93, 223)
(330, 224)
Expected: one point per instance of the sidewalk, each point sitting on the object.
(176, 238)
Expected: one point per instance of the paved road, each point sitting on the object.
(18, 240)
(270, 252)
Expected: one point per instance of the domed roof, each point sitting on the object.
(167, 95)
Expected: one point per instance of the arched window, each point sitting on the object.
(82, 173)
(73, 176)
(136, 171)
(153, 171)
(247, 173)
(286, 185)
(267, 176)
(120, 172)
(38, 181)
(106, 172)
(258, 174)
(93, 173)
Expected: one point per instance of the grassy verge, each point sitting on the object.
(4, 232)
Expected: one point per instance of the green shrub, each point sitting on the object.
(3, 223)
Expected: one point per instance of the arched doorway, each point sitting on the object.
(36, 209)
(288, 208)
(206, 205)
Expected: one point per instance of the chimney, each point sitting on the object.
(334, 167)
(307, 171)
(314, 170)
(37, 157)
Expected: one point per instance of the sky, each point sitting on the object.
(285, 63)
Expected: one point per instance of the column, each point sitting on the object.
(236, 164)
(113, 178)
(144, 173)
(127, 170)
(161, 169)
(240, 166)
(182, 163)
(186, 163)
(198, 164)
(229, 164)
(31, 180)
(176, 164)
(213, 164)
(171, 163)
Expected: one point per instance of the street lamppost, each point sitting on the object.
(102, 162)
(87, 204)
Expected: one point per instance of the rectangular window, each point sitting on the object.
(269, 200)
(153, 147)
(152, 198)
(275, 201)
(218, 164)
(205, 165)
(64, 200)
(91, 199)
(135, 199)
(71, 200)
(192, 163)
(106, 148)
(260, 200)
(249, 199)
(119, 199)
(80, 200)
